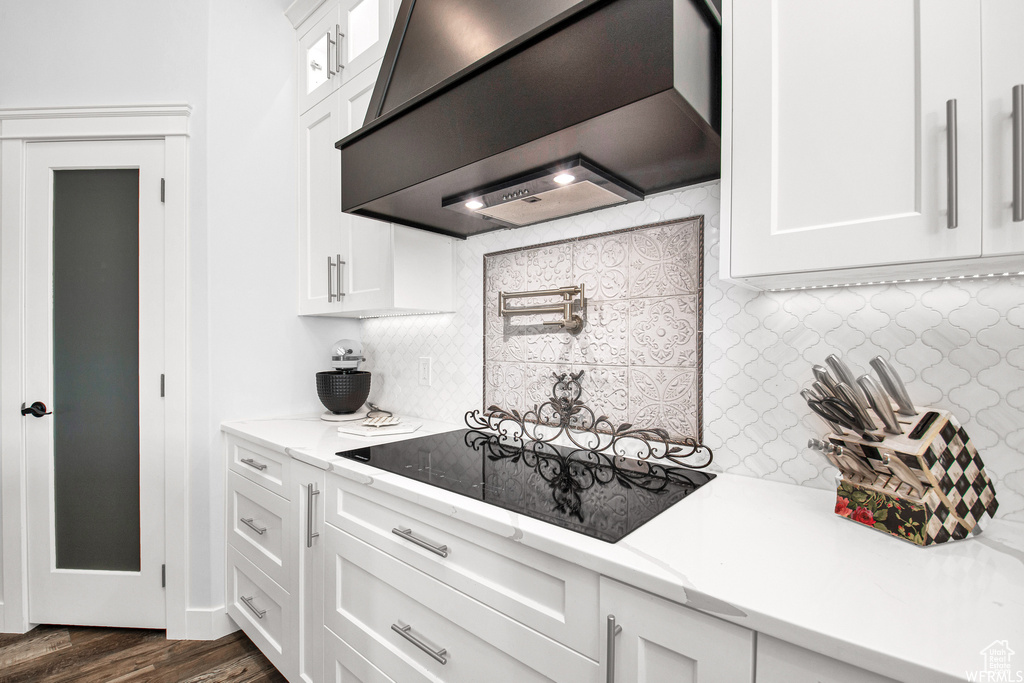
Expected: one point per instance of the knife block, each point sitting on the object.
(958, 495)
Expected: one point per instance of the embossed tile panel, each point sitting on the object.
(959, 345)
(641, 324)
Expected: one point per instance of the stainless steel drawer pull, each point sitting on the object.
(330, 268)
(441, 550)
(341, 288)
(1018, 153)
(249, 523)
(260, 613)
(951, 166)
(252, 463)
(311, 491)
(613, 631)
(406, 632)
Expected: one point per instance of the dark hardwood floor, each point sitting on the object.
(76, 654)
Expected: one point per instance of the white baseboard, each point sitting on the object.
(206, 623)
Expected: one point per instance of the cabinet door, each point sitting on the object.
(308, 519)
(781, 662)
(366, 28)
(1003, 68)
(839, 135)
(318, 57)
(662, 642)
(368, 272)
(322, 227)
(337, 43)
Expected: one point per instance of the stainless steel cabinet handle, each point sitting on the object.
(249, 523)
(951, 166)
(330, 292)
(311, 491)
(613, 631)
(341, 289)
(330, 42)
(441, 550)
(252, 463)
(1018, 153)
(405, 632)
(260, 613)
(337, 48)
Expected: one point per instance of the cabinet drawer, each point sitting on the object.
(549, 595)
(265, 614)
(258, 528)
(258, 464)
(342, 664)
(369, 594)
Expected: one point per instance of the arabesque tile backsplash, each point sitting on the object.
(958, 344)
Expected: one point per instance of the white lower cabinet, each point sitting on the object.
(782, 662)
(338, 582)
(262, 609)
(415, 628)
(308, 589)
(342, 664)
(663, 642)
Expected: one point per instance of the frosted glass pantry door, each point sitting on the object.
(94, 354)
(839, 133)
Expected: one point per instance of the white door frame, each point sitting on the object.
(19, 127)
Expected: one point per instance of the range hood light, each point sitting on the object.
(570, 187)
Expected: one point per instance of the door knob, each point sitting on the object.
(37, 409)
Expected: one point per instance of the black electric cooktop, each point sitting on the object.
(575, 489)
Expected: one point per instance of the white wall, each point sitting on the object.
(233, 61)
(262, 357)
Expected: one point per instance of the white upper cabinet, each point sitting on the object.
(844, 157)
(350, 266)
(1002, 65)
(338, 40)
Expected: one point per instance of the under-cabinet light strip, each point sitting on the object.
(896, 282)
(401, 315)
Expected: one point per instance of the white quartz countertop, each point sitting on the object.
(768, 556)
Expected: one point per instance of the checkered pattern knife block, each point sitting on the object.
(958, 495)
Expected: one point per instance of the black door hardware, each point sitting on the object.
(37, 409)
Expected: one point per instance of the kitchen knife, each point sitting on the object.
(880, 403)
(845, 375)
(822, 375)
(893, 385)
(826, 450)
(821, 390)
(852, 462)
(902, 472)
(846, 393)
(809, 396)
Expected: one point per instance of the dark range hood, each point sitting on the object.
(490, 114)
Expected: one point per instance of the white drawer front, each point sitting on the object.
(554, 597)
(258, 464)
(262, 609)
(257, 520)
(370, 594)
(342, 664)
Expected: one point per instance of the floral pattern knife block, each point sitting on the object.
(958, 495)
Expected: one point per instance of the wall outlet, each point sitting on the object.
(424, 372)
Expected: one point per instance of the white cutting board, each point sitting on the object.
(361, 430)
